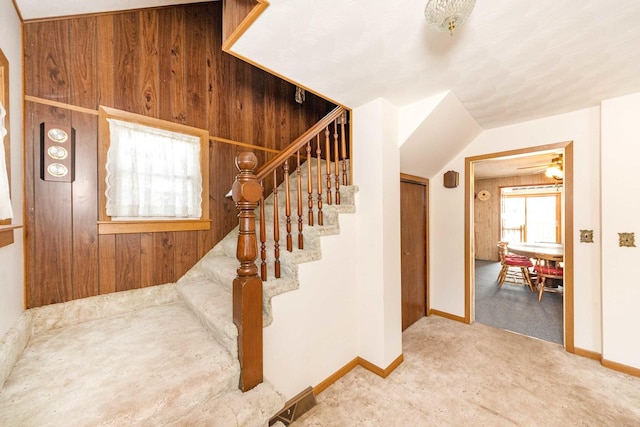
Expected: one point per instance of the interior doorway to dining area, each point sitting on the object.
(518, 241)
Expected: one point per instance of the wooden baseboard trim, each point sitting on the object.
(335, 376)
(625, 369)
(448, 316)
(384, 373)
(587, 353)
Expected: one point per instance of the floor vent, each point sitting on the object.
(295, 407)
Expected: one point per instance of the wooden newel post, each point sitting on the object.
(247, 286)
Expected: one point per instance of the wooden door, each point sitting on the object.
(413, 225)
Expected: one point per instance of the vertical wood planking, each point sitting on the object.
(487, 213)
(164, 257)
(149, 66)
(127, 58)
(107, 264)
(127, 255)
(84, 90)
(30, 171)
(53, 223)
(105, 71)
(147, 260)
(165, 63)
(185, 256)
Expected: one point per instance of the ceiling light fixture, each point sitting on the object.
(446, 15)
(554, 172)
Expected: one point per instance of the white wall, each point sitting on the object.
(620, 213)
(314, 329)
(377, 174)
(11, 257)
(447, 215)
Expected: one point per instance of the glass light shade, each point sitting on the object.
(56, 152)
(57, 169)
(57, 135)
(554, 172)
(445, 15)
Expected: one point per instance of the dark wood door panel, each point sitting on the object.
(413, 246)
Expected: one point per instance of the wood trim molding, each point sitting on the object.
(227, 46)
(384, 373)
(128, 227)
(568, 230)
(71, 107)
(625, 369)
(587, 353)
(62, 105)
(335, 376)
(414, 178)
(105, 223)
(448, 316)
(358, 361)
(18, 12)
(243, 144)
(261, 6)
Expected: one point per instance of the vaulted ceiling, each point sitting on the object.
(511, 61)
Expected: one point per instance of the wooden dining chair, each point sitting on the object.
(515, 268)
(548, 267)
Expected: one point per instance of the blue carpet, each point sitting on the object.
(515, 307)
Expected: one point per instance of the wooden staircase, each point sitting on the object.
(158, 318)
(306, 203)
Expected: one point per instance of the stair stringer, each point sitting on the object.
(207, 286)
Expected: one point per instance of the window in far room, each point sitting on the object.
(153, 175)
(531, 214)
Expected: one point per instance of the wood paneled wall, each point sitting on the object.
(165, 63)
(487, 213)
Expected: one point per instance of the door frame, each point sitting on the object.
(469, 268)
(423, 181)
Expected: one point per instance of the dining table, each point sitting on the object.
(531, 250)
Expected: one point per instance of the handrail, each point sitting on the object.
(271, 165)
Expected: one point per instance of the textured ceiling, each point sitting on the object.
(511, 61)
(524, 164)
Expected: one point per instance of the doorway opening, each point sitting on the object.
(509, 217)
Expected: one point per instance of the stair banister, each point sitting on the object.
(292, 148)
(247, 286)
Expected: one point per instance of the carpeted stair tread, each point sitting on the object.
(212, 304)
(125, 369)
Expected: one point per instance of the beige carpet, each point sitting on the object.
(455, 375)
(152, 366)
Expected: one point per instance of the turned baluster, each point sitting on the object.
(276, 228)
(309, 185)
(247, 286)
(287, 209)
(300, 238)
(327, 143)
(336, 161)
(343, 144)
(319, 179)
(263, 238)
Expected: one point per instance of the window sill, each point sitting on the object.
(6, 234)
(128, 227)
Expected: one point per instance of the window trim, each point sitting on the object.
(105, 224)
(6, 227)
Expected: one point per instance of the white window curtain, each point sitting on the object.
(152, 173)
(5, 202)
